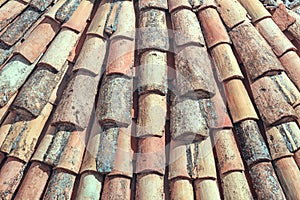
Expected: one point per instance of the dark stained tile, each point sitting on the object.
(255, 9)
(259, 60)
(40, 5)
(282, 18)
(270, 102)
(66, 10)
(146, 4)
(116, 188)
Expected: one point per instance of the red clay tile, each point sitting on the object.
(153, 22)
(178, 4)
(291, 63)
(91, 57)
(152, 115)
(294, 29)
(270, 102)
(150, 187)
(194, 73)
(297, 157)
(206, 189)
(9, 11)
(181, 189)
(228, 154)
(34, 182)
(57, 54)
(226, 62)
(78, 47)
(274, 36)
(38, 40)
(90, 186)
(258, 58)
(62, 180)
(10, 177)
(289, 176)
(121, 57)
(239, 102)
(152, 72)
(205, 4)
(186, 28)
(146, 4)
(256, 9)
(187, 121)
(235, 186)
(213, 28)
(232, 12)
(151, 155)
(282, 18)
(116, 188)
(265, 182)
(79, 18)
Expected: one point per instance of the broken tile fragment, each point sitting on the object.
(66, 10)
(115, 101)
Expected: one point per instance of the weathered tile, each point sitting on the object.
(255, 9)
(116, 188)
(146, 4)
(179, 4)
(194, 73)
(66, 10)
(115, 101)
(206, 189)
(297, 157)
(53, 9)
(9, 11)
(38, 40)
(10, 177)
(34, 182)
(279, 43)
(78, 20)
(186, 28)
(152, 115)
(153, 33)
(5, 54)
(251, 142)
(204, 4)
(270, 102)
(226, 63)
(60, 186)
(291, 134)
(90, 186)
(228, 155)
(152, 72)
(188, 121)
(181, 189)
(92, 54)
(57, 53)
(40, 5)
(77, 102)
(5, 126)
(121, 57)
(282, 18)
(265, 182)
(235, 186)
(258, 58)
(17, 29)
(4, 110)
(239, 102)
(294, 29)
(289, 176)
(232, 12)
(213, 28)
(2, 2)
(150, 186)
(151, 155)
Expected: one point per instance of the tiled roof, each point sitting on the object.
(149, 99)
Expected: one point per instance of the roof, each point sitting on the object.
(167, 99)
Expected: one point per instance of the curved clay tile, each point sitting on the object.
(116, 188)
(297, 157)
(282, 18)
(90, 186)
(175, 5)
(52, 10)
(181, 189)
(146, 4)
(294, 29)
(66, 10)
(255, 9)
(40, 5)
(153, 181)
(206, 189)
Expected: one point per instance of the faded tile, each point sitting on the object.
(181, 189)
(150, 186)
(179, 4)
(160, 4)
(4, 110)
(90, 186)
(206, 189)
(255, 9)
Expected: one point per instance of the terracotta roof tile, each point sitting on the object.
(194, 73)
(265, 182)
(153, 181)
(297, 157)
(2, 2)
(53, 9)
(290, 61)
(256, 9)
(186, 28)
(34, 182)
(152, 72)
(270, 102)
(121, 57)
(40, 5)
(5, 126)
(66, 10)
(273, 35)
(235, 186)
(205, 4)
(258, 58)
(229, 158)
(289, 176)
(282, 18)
(146, 4)
(4, 110)
(153, 22)
(90, 186)
(175, 4)
(232, 12)
(206, 189)
(116, 188)
(291, 133)
(181, 189)
(294, 29)
(226, 63)
(251, 142)
(9, 11)
(213, 28)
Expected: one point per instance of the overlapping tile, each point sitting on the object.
(181, 189)
(206, 189)
(66, 10)
(255, 9)
(146, 4)
(153, 181)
